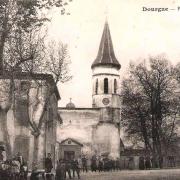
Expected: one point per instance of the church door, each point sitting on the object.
(69, 155)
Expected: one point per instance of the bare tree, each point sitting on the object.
(57, 61)
(150, 104)
(25, 51)
(23, 15)
(22, 50)
(26, 54)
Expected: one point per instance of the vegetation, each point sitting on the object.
(23, 50)
(151, 105)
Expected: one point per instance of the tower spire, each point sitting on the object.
(106, 56)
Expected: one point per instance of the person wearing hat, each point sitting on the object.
(20, 158)
(2, 150)
(48, 163)
(75, 168)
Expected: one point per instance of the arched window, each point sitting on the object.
(96, 90)
(106, 86)
(115, 86)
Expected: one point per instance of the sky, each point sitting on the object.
(136, 34)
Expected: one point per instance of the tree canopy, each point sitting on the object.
(20, 20)
(151, 104)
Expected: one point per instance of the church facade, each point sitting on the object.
(97, 128)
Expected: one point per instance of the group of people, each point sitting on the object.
(149, 162)
(145, 163)
(17, 168)
(70, 167)
(104, 164)
(63, 168)
(13, 169)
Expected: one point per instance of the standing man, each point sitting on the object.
(60, 170)
(2, 150)
(100, 165)
(20, 158)
(75, 168)
(68, 168)
(93, 164)
(48, 163)
(84, 164)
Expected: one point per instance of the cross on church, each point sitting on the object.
(106, 13)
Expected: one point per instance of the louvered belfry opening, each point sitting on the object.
(115, 86)
(96, 90)
(106, 86)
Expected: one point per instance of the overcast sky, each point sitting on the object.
(135, 34)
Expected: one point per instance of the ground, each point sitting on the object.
(165, 174)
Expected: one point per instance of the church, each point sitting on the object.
(96, 130)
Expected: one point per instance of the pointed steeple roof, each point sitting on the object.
(106, 56)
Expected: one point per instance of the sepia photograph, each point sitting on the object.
(89, 89)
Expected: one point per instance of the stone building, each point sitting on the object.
(28, 116)
(97, 128)
(70, 149)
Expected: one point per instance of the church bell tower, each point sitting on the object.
(105, 74)
(106, 97)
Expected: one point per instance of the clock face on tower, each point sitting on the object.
(105, 101)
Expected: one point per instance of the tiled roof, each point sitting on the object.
(106, 56)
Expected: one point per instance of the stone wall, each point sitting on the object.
(106, 140)
(78, 124)
(16, 130)
(89, 127)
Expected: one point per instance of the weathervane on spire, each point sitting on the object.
(106, 13)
